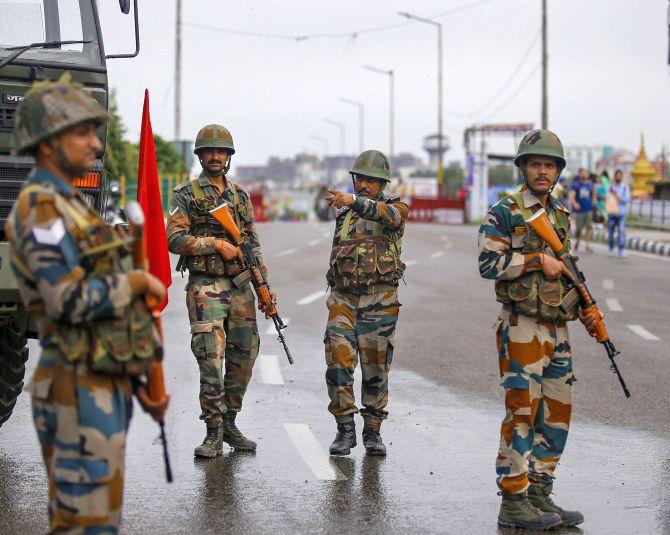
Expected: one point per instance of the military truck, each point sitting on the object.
(39, 40)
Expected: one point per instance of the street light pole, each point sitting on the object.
(440, 136)
(361, 118)
(322, 140)
(544, 65)
(177, 73)
(341, 127)
(391, 74)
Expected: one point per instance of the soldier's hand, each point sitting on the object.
(339, 198)
(156, 409)
(553, 268)
(155, 288)
(589, 320)
(227, 250)
(266, 307)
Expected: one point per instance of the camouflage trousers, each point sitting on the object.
(223, 329)
(360, 325)
(81, 419)
(536, 370)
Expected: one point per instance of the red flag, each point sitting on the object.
(149, 197)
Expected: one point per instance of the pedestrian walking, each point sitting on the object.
(221, 313)
(535, 357)
(76, 278)
(583, 200)
(617, 204)
(363, 307)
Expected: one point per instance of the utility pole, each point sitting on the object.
(361, 119)
(545, 121)
(440, 135)
(177, 74)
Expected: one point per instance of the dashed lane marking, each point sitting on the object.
(314, 242)
(312, 453)
(437, 254)
(270, 371)
(285, 253)
(608, 284)
(614, 305)
(411, 262)
(271, 328)
(643, 333)
(309, 299)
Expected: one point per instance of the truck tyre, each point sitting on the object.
(13, 357)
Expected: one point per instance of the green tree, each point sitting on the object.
(117, 161)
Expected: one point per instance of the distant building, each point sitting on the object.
(586, 156)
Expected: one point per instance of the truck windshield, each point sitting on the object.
(23, 22)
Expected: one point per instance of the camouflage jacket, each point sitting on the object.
(511, 251)
(367, 259)
(183, 241)
(76, 300)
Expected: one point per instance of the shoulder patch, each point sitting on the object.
(52, 235)
(180, 187)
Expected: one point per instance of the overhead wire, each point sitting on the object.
(515, 94)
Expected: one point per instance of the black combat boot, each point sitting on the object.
(345, 439)
(539, 496)
(372, 440)
(516, 511)
(233, 436)
(213, 443)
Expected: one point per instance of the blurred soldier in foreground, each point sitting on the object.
(363, 307)
(534, 351)
(222, 316)
(76, 279)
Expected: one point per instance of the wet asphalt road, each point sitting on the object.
(445, 411)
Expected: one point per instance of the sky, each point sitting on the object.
(609, 80)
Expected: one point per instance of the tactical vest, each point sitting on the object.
(203, 224)
(121, 345)
(532, 294)
(365, 265)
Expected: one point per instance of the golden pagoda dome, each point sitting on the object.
(643, 174)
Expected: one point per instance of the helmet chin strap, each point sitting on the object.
(223, 171)
(527, 184)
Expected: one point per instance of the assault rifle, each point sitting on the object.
(156, 382)
(222, 214)
(540, 222)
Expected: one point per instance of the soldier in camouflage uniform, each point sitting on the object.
(363, 307)
(222, 315)
(76, 279)
(534, 350)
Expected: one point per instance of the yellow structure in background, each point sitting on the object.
(643, 175)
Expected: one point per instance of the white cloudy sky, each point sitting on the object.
(609, 79)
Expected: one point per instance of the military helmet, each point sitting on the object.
(214, 136)
(50, 108)
(540, 142)
(372, 163)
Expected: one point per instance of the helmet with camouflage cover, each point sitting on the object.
(372, 163)
(540, 142)
(51, 108)
(214, 136)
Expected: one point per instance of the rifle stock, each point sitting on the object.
(539, 221)
(222, 214)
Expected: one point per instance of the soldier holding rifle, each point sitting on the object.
(76, 278)
(534, 352)
(222, 315)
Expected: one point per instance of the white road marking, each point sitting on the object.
(614, 305)
(308, 299)
(312, 453)
(411, 262)
(608, 284)
(314, 242)
(271, 328)
(437, 254)
(642, 332)
(270, 371)
(285, 253)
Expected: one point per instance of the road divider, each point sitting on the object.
(269, 365)
(643, 333)
(312, 453)
(309, 299)
(614, 305)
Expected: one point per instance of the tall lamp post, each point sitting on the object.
(361, 119)
(322, 140)
(440, 148)
(341, 127)
(390, 74)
